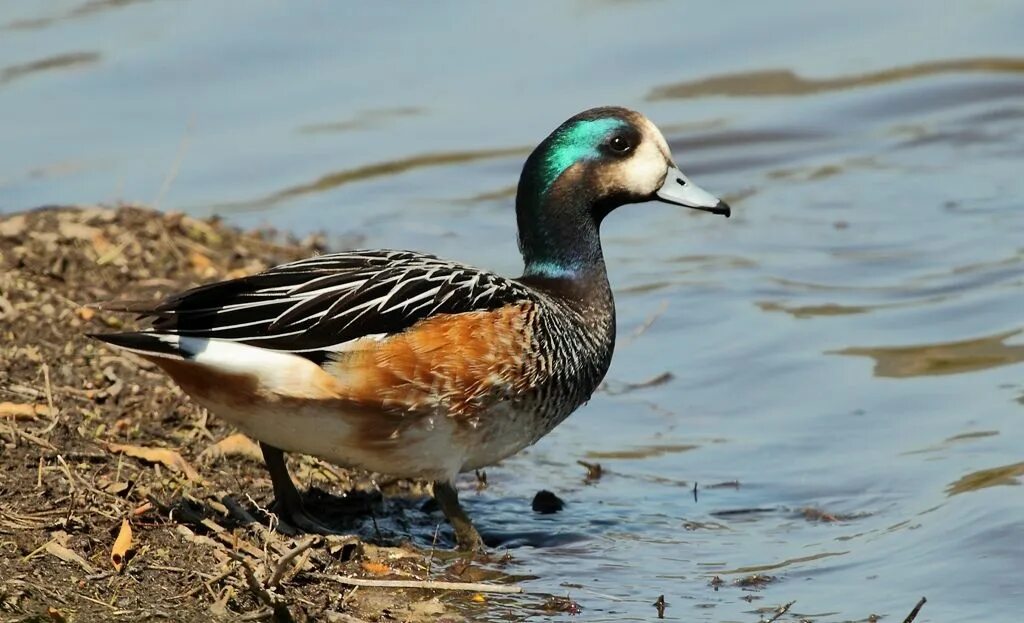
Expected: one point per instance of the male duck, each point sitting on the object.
(402, 363)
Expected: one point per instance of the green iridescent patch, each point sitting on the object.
(577, 142)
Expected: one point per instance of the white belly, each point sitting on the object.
(433, 447)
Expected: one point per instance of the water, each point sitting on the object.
(850, 341)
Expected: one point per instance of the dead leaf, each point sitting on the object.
(232, 445)
(22, 411)
(122, 544)
(816, 514)
(56, 549)
(55, 615)
(118, 487)
(199, 539)
(201, 264)
(168, 458)
(428, 609)
(13, 227)
(200, 231)
(376, 568)
(7, 311)
(101, 245)
(76, 231)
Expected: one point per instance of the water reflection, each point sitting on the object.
(955, 439)
(1006, 475)
(786, 82)
(507, 192)
(85, 9)
(780, 565)
(362, 120)
(943, 358)
(331, 181)
(50, 63)
(642, 452)
(811, 311)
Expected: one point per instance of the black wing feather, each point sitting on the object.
(310, 306)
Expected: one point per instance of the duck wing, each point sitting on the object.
(313, 307)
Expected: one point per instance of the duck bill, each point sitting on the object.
(679, 190)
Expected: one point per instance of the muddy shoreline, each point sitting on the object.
(91, 439)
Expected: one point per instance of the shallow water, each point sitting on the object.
(849, 342)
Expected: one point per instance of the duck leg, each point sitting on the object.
(287, 501)
(465, 534)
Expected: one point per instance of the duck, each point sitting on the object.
(409, 365)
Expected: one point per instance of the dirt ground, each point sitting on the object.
(122, 500)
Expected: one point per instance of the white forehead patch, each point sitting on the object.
(651, 132)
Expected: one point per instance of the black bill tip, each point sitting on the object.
(721, 208)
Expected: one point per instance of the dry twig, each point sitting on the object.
(913, 613)
(476, 587)
(49, 401)
(280, 609)
(284, 563)
(17, 432)
(781, 611)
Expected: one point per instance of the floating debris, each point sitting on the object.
(547, 503)
(660, 604)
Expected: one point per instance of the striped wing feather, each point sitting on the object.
(312, 307)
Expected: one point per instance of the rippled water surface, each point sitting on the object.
(847, 348)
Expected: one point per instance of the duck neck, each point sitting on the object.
(559, 233)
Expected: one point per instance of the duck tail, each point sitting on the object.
(146, 343)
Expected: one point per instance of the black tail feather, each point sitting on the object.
(140, 342)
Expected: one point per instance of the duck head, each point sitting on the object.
(596, 161)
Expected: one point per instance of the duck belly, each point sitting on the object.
(433, 447)
(507, 428)
(430, 448)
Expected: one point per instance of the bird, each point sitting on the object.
(406, 364)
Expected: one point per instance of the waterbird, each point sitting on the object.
(402, 363)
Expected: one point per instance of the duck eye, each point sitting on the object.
(619, 144)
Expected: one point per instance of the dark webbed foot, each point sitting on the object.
(288, 504)
(298, 519)
(465, 534)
